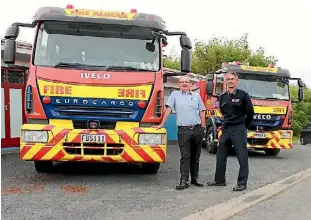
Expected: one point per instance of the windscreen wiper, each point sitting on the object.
(64, 64)
(80, 65)
(271, 98)
(126, 68)
(256, 97)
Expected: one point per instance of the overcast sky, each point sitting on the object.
(281, 27)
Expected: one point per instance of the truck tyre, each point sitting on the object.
(43, 166)
(211, 145)
(272, 152)
(150, 168)
(302, 141)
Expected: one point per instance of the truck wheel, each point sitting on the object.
(150, 168)
(43, 166)
(272, 152)
(211, 145)
(302, 141)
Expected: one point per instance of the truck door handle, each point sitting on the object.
(6, 107)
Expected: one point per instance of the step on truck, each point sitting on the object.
(95, 87)
(268, 88)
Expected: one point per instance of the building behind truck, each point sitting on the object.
(13, 80)
(268, 88)
(95, 87)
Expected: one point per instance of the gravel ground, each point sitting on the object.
(104, 191)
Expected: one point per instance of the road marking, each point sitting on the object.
(232, 207)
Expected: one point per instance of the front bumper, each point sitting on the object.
(268, 139)
(121, 145)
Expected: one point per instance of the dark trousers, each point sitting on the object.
(190, 142)
(236, 135)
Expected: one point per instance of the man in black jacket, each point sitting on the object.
(237, 110)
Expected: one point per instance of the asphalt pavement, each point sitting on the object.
(293, 203)
(116, 191)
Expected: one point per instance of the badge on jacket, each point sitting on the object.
(235, 100)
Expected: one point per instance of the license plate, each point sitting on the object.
(260, 135)
(93, 138)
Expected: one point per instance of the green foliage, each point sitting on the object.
(208, 57)
(171, 62)
(302, 110)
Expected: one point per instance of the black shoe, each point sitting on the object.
(196, 182)
(182, 185)
(239, 188)
(216, 183)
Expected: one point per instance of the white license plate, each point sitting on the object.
(93, 138)
(259, 135)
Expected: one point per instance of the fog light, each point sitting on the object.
(35, 136)
(285, 135)
(151, 139)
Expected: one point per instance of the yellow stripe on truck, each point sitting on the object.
(47, 88)
(270, 110)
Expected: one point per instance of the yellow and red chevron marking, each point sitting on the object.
(274, 139)
(55, 151)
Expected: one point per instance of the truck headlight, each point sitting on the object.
(285, 135)
(151, 139)
(35, 136)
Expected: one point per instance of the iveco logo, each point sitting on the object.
(93, 124)
(262, 117)
(95, 76)
(94, 102)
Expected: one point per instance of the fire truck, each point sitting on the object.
(95, 87)
(268, 88)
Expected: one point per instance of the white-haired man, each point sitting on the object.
(190, 112)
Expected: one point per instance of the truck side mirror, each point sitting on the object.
(300, 83)
(9, 51)
(300, 94)
(209, 87)
(185, 62)
(185, 42)
(164, 42)
(150, 47)
(11, 32)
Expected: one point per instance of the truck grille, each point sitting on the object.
(93, 149)
(253, 141)
(267, 125)
(116, 112)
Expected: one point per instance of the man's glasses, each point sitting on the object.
(184, 82)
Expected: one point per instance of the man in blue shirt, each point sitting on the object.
(190, 112)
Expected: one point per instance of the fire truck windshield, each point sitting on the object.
(264, 87)
(95, 45)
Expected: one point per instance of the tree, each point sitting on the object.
(208, 57)
(302, 110)
(171, 62)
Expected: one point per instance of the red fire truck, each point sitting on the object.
(268, 88)
(95, 87)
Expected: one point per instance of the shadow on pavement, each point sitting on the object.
(95, 168)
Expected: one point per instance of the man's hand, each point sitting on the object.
(157, 126)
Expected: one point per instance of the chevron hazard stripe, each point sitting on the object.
(64, 144)
(273, 140)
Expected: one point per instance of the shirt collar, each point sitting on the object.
(234, 92)
(189, 92)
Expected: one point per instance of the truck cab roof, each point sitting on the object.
(269, 71)
(101, 17)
